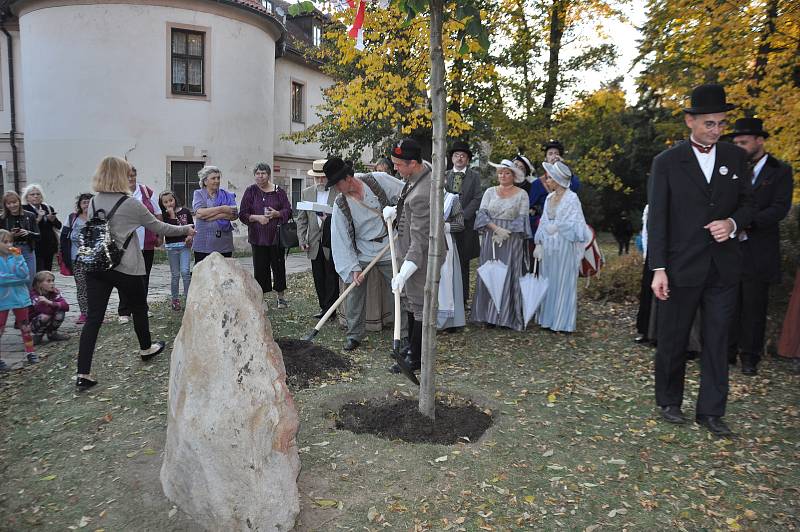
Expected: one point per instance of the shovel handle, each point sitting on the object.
(396, 333)
(347, 291)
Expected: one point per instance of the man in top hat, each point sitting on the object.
(314, 233)
(760, 242)
(465, 181)
(358, 233)
(699, 196)
(413, 215)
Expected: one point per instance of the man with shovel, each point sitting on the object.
(413, 213)
(359, 234)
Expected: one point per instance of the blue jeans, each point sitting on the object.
(29, 253)
(179, 265)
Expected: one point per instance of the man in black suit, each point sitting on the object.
(699, 195)
(760, 242)
(466, 182)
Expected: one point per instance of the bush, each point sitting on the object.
(618, 281)
(790, 241)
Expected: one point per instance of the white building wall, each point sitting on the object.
(102, 90)
(6, 159)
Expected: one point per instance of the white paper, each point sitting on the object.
(313, 206)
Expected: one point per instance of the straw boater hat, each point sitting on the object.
(558, 172)
(317, 168)
(505, 163)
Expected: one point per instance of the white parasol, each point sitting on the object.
(493, 274)
(533, 287)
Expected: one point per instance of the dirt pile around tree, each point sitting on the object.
(307, 363)
(398, 418)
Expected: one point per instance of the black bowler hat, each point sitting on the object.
(459, 145)
(553, 143)
(748, 126)
(407, 150)
(335, 169)
(708, 99)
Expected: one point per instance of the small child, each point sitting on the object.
(179, 249)
(49, 307)
(14, 294)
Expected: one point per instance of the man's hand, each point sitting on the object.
(660, 285)
(720, 229)
(304, 247)
(358, 278)
(389, 213)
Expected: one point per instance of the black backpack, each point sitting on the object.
(97, 251)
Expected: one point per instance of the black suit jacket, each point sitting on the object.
(682, 203)
(470, 197)
(772, 198)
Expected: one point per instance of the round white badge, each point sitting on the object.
(723, 170)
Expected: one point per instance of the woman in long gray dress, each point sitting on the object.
(451, 304)
(560, 242)
(503, 220)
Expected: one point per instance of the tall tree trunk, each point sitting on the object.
(525, 66)
(557, 20)
(762, 56)
(427, 390)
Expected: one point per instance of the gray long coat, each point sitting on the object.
(470, 196)
(414, 229)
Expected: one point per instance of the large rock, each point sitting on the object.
(231, 457)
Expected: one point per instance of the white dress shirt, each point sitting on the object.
(758, 167)
(706, 160)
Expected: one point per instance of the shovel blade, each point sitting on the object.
(404, 369)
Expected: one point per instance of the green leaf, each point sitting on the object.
(463, 49)
(294, 9)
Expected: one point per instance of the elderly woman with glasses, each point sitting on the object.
(502, 218)
(213, 209)
(560, 241)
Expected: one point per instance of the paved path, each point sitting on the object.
(13, 352)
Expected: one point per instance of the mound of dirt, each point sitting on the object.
(307, 362)
(399, 419)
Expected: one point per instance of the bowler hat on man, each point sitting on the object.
(407, 150)
(335, 169)
(708, 99)
(747, 126)
(459, 145)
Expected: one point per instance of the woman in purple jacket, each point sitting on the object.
(264, 207)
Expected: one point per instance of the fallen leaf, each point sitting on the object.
(548, 452)
(441, 459)
(48, 477)
(326, 503)
(87, 448)
(372, 514)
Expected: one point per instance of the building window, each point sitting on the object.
(298, 102)
(267, 4)
(188, 55)
(183, 177)
(316, 34)
(297, 190)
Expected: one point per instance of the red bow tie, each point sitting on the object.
(701, 148)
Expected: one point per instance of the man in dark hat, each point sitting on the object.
(699, 195)
(760, 242)
(465, 181)
(413, 214)
(358, 233)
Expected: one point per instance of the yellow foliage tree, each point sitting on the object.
(382, 92)
(752, 48)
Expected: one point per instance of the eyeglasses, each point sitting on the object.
(710, 124)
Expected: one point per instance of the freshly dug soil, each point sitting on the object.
(399, 419)
(307, 362)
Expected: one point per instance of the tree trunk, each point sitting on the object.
(762, 56)
(427, 390)
(557, 20)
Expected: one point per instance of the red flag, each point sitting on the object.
(359, 20)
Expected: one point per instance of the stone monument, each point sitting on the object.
(230, 459)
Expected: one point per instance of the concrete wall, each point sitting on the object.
(103, 89)
(6, 159)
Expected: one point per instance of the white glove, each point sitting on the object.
(538, 252)
(389, 213)
(551, 228)
(446, 227)
(503, 234)
(498, 240)
(406, 270)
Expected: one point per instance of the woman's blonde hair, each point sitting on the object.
(30, 188)
(39, 277)
(6, 234)
(9, 194)
(112, 176)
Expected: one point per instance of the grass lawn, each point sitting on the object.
(575, 445)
